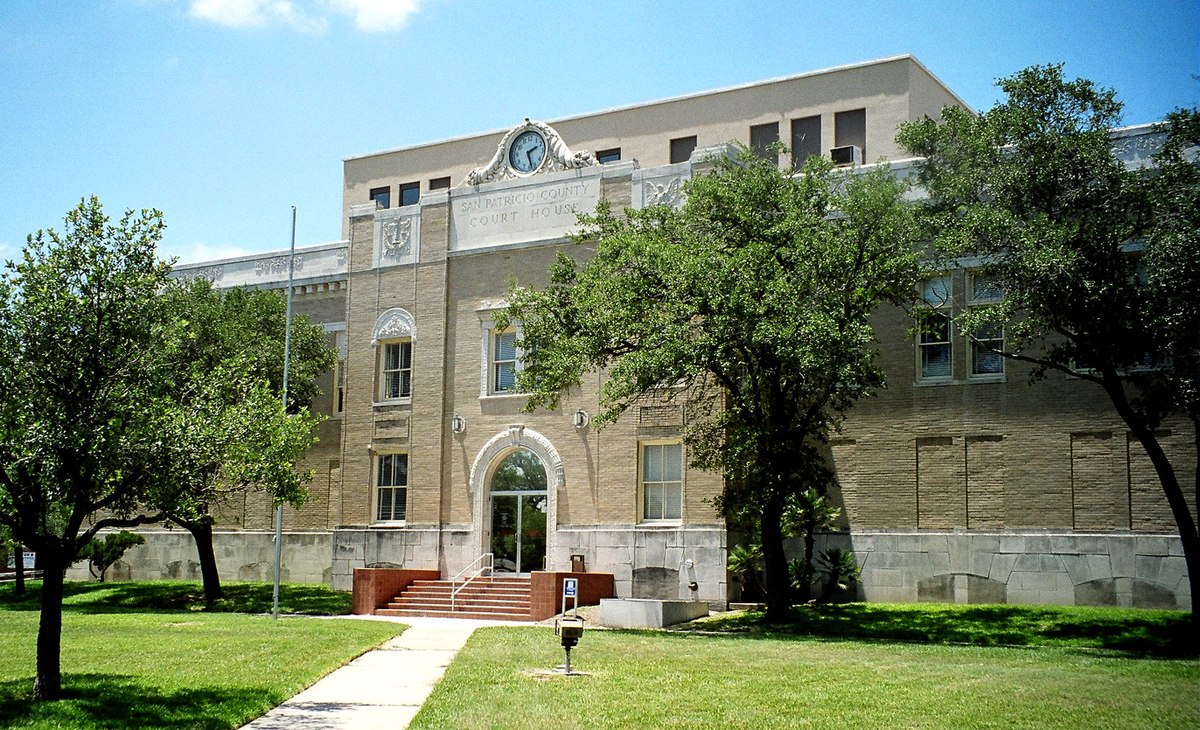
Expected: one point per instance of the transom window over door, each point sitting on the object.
(662, 482)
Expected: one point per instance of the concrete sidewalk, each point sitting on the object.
(383, 688)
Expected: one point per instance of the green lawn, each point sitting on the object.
(129, 665)
(775, 680)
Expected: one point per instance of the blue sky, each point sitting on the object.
(225, 113)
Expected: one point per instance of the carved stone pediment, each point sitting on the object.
(393, 323)
(558, 157)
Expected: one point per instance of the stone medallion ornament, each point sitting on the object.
(528, 149)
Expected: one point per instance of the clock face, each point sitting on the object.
(526, 151)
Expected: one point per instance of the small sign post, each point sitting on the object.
(569, 628)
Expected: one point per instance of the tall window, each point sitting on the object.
(806, 140)
(396, 369)
(382, 197)
(988, 339)
(933, 345)
(391, 490)
(339, 374)
(410, 193)
(762, 136)
(662, 481)
(504, 361)
(850, 127)
(682, 148)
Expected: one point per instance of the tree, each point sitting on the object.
(1099, 264)
(103, 420)
(80, 395)
(232, 433)
(102, 552)
(750, 304)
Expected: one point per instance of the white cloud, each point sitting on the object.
(311, 16)
(377, 15)
(254, 13)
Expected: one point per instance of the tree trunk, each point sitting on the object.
(1173, 491)
(203, 535)
(779, 584)
(47, 684)
(19, 585)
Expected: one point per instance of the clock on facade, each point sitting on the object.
(527, 150)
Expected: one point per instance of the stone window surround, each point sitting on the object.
(394, 325)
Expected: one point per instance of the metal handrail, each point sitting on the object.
(476, 568)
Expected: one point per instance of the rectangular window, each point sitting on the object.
(988, 339)
(662, 482)
(339, 373)
(762, 136)
(391, 490)
(682, 148)
(935, 351)
(382, 197)
(806, 140)
(850, 128)
(607, 156)
(440, 183)
(396, 369)
(504, 361)
(410, 193)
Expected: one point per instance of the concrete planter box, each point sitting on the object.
(648, 613)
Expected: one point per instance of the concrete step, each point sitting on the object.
(485, 615)
(490, 598)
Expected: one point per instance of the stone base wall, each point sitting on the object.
(361, 547)
(1142, 571)
(241, 555)
(646, 562)
(651, 562)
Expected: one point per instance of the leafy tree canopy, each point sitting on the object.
(1099, 261)
(749, 304)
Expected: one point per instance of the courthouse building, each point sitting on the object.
(959, 482)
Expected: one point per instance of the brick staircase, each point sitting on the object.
(493, 597)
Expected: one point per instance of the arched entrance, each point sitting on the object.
(519, 504)
(515, 480)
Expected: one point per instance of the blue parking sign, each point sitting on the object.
(570, 587)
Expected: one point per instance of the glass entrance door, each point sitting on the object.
(518, 532)
(519, 505)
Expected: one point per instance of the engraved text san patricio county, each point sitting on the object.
(529, 213)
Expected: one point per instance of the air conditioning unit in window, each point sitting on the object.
(846, 155)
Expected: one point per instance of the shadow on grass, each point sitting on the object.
(114, 701)
(1130, 632)
(87, 597)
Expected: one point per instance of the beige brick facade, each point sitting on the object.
(960, 487)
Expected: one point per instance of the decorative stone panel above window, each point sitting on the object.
(397, 238)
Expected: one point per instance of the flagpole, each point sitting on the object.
(287, 354)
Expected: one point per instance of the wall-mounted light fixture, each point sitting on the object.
(458, 424)
(581, 419)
